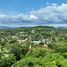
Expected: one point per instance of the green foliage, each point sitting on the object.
(38, 52)
(18, 50)
(65, 55)
(64, 63)
(7, 61)
(50, 60)
(51, 51)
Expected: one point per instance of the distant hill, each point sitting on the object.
(4, 27)
(8, 27)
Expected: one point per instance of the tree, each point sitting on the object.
(7, 61)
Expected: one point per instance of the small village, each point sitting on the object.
(17, 45)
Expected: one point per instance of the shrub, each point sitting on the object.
(38, 52)
(7, 61)
(65, 55)
(64, 63)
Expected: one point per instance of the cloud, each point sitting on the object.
(51, 14)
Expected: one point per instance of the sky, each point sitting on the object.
(16, 13)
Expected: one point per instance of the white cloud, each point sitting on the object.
(33, 17)
(52, 14)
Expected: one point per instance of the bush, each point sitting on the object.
(26, 62)
(50, 60)
(38, 52)
(65, 55)
(64, 63)
(18, 50)
(7, 61)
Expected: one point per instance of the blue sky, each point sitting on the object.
(33, 12)
(25, 6)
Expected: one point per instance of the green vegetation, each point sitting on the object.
(33, 47)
